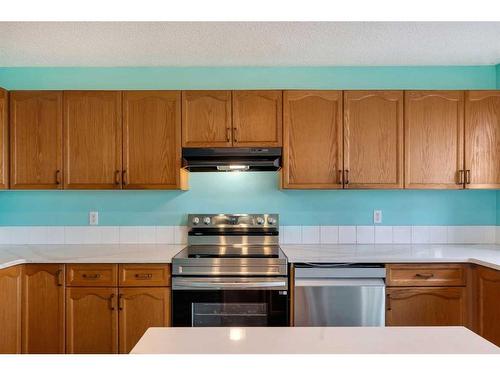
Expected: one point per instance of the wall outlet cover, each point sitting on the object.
(93, 218)
(377, 217)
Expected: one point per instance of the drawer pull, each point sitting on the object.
(91, 276)
(424, 275)
(143, 276)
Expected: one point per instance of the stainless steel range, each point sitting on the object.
(232, 273)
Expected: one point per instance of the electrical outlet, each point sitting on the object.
(377, 216)
(93, 218)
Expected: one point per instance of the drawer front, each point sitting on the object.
(144, 275)
(91, 275)
(426, 275)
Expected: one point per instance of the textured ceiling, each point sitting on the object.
(248, 44)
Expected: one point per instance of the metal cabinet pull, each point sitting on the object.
(124, 177)
(58, 177)
(112, 302)
(346, 177)
(92, 276)
(59, 273)
(424, 275)
(120, 301)
(341, 176)
(388, 303)
(467, 176)
(235, 132)
(143, 276)
(460, 177)
(228, 135)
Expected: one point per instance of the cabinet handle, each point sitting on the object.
(59, 273)
(228, 135)
(58, 177)
(467, 176)
(388, 303)
(143, 276)
(424, 275)
(120, 301)
(124, 177)
(341, 176)
(235, 133)
(460, 177)
(346, 177)
(112, 302)
(92, 276)
(117, 177)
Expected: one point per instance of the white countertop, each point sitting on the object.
(313, 340)
(486, 255)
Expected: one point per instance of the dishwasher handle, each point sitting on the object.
(321, 282)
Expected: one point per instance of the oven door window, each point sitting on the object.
(229, 314)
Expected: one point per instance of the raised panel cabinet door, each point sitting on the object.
(257, 118)
(373, 139)
(434, 139)
(36, 139)
(43, 309)
(312, 140)
(152, 139)
(206, 119)
(487, 302)
(91, 320)
(426, 306)
(482, 139)
(92, 139)
(140, 309)
(4, 140)
(10, 310)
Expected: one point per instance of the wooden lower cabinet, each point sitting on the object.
(10, 310)
(426, 306)
(140, 309)
(487, 303)
(43, 309)
(91, 320)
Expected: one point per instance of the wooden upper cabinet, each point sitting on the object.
(10, 310)
(92, 139)
(257, 118)
(482, 139)
(373, 139)
(434, 139)
(152, 140)
(4, 140)
(91, 320)
(312, 139)
(36, 140)
(206, 119)
(43, 309)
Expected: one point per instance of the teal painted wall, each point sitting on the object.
(250, 192)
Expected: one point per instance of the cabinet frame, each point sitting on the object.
(4, 139)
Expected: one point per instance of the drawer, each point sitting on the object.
(144, 275)
(91, 275)
(426, 275)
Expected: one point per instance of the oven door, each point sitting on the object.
(230, 301)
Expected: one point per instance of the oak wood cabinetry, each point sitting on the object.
(10, 309)
(206, 119)
(36, 139)
(152, 140)
(257, 118)
(373, 139)
(312, 140)
(434, 139)
(92, 139)
(482, 139)
(43, 309)
(4, 140)
(486, 305)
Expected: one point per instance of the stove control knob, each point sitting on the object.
(271, 220)
(206, 220)
(260, 220)
(196, 220)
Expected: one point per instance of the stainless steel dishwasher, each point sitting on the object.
(339, 295)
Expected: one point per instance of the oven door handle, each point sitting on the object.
(182, 284)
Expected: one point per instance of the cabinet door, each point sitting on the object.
(373, 139)
(4, 139)
(434, 139)
(43, 309)
(312, 140)
(482, 139)
(91, 320)
(426, 306)
(140, 309)
(206, 119)
(36, 140)
(487, 303)
(10, 310)
(152, 139)
(257, 118)
(92, 139)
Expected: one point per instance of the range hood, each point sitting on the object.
(231, 159)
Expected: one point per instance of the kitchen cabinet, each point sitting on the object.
(140, 309)
(10, 309)
(36, 140)
(152, 140)
(373, 139)
(434, 139)
(257, 118)
(206, 119)
(43, 309)
(312, 140)
(91, 320)
(4, 140)
(487, 303)
(482, 139)
(92, 139)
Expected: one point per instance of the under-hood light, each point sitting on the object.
(233, 168)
